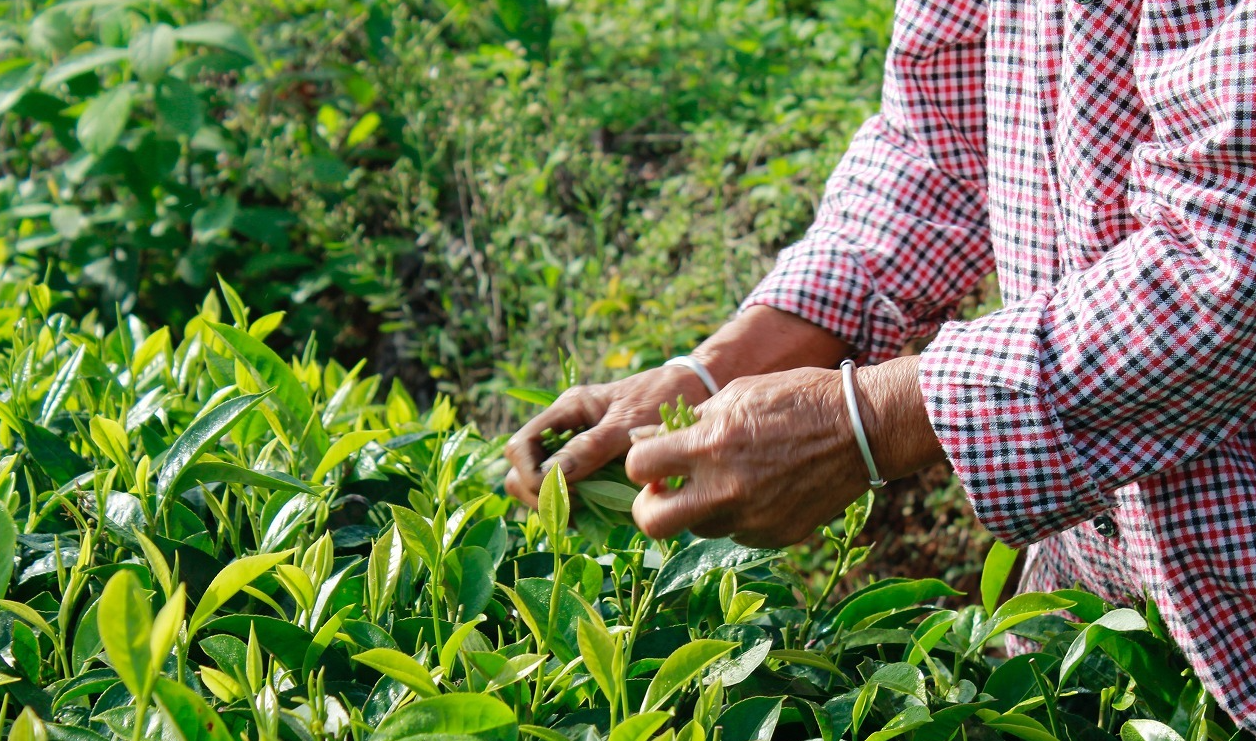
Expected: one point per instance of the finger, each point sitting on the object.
(517, 487)
(589, 451)
(715, 527)
(661, 512)
(655, 458)
(525, 451)
(643, 432)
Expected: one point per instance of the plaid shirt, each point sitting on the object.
(1101, 156)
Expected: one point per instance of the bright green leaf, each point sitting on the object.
(685, 664)
(104, 119)
(231, 580)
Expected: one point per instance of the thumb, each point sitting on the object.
(656, 458)
(589, 451)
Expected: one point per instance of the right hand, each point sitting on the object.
(607, 411)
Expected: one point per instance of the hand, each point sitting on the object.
(773, 457)
(608, 412)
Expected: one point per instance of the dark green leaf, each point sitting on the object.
(190, 717)
(752, 719)
(200, 436)
(702, 556)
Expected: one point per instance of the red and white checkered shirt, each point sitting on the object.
(1102, 157)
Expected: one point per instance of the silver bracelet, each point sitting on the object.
(699, 370)
(852, 408)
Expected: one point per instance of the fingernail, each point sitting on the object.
(562, 462)
(638, 433)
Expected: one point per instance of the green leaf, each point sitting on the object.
(362, 130)
(72, 67)
(449, 651)
(1123, 620)
(125, 622)
(200, 436)
(166, 625)
(382, 571)
(1016, 724)
(1015, 611)
(555, 506)
(908, 720)
(417, 534)
(217, 34)
(8, 548)
(231, 580)
(901, 677)
(61, 386)
(540, 397)
(461, 715)
(639, 727)
(609, 494)
(701, 556)
(752, 719)
(230, 473)
(52, 454)
(112, 440)
(946, 722)
(469, 579)
(346, 446)
(179, 107)
(28, 614)
(152, 50)
(104, 119)
(805, 658)
(598, 650)
(270, 370)
(999, 563)
(897, 596)
(928, 633)
(1148, 730)
(685, 664)
(28, 727)
(190, 717)
(398, 666)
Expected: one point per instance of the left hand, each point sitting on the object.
(773, 457)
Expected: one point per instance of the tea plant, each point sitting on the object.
(201, 540)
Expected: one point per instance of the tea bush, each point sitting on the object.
(202, 540)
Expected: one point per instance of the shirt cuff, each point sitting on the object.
(1008, 446)
(824, 281)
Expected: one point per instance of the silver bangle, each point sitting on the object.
(852, 408)
(699, 370)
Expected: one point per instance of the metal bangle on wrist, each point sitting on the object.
(699, 370)
(856, 423)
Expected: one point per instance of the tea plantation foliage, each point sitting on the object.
(201, 540)
(211, 530)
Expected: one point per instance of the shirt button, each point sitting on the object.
(1105, 526)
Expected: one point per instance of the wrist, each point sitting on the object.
(895, 419)
(765, 340)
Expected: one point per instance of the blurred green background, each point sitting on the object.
(455, 191)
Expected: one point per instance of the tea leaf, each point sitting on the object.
(152, 50)
(1148, 730)
(639, 727)
(1123, 620)
(200, 436)
(908, 720)
(555, 506)
(598, 650)
(702, 556)
(166, 625)
(404, 669)
(1015, 611)
(346, 446)
(231, 580)
(191, 718)
(105, 118)
(999, 563)
(751, 719)
(682, 666)
(461, 715)
(8, 548)
(125, 622)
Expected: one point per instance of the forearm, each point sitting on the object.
(765, 340)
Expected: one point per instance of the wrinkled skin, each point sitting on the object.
(771, 458)
(609, 411)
